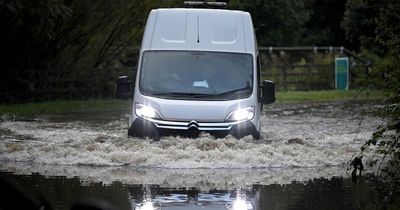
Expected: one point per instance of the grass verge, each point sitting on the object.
(329, 95)
(52, 107)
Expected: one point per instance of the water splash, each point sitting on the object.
(294, 136)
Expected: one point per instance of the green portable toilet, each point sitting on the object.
(342, 73)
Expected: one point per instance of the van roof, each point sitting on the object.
(199, 29)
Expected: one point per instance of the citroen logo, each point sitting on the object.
(192, 124)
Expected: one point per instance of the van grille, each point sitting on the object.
(201, 126)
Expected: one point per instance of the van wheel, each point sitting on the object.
(152, 134)
(219, 134)
(256, 135)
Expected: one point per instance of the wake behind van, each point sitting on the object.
(198, 71)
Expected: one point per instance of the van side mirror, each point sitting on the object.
(123, 88)
(268, 92)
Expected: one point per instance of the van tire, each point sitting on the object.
(256, 135)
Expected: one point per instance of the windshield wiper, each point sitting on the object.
(200, 95)
(180, 94)
(232, 91)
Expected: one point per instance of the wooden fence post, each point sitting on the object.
(284, 78)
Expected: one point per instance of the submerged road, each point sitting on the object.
(309, 139)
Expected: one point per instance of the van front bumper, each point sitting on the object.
(156, 128)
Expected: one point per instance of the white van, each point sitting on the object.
(198, 71)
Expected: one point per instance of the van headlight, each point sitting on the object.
(241, 114)
(146, 111)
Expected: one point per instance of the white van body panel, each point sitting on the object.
(207, 30)
(199, 29)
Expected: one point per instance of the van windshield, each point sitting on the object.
(193, 74)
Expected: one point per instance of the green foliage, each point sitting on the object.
(385, 75)
(53, 107)
(296, 23)
(360, 24)
(323, 28)
(56, 33)
(27, 28)
(76, 39)
(277, 22)
(329, 95)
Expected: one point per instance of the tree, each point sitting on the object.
(277, 22)
(384, 75)
(75, 36)
(360, 24)
(323, 28)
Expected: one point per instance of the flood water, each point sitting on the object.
(301, 162)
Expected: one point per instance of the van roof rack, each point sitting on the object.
(206, 4)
